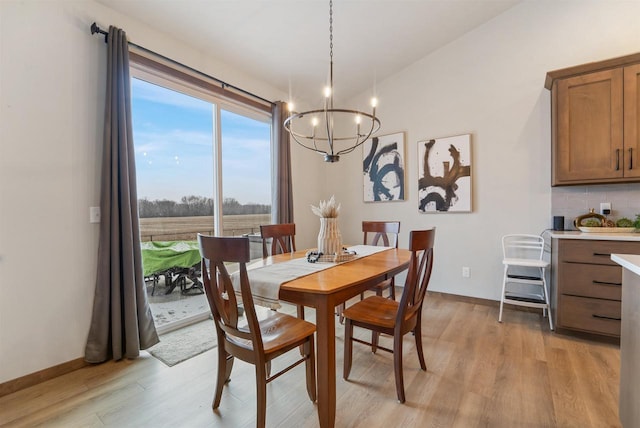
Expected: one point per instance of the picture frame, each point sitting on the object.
(444, 174)
(383, 168)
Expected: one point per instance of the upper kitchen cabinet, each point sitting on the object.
(595, 120)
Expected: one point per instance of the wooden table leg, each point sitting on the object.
(326, 361)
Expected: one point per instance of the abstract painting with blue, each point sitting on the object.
(444, 168)
(383, 168)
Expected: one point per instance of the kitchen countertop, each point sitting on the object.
(629, 261)
(576, 234)
(629, 395)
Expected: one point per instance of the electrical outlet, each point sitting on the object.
(94, 214)
(466, 272)
(605, 208)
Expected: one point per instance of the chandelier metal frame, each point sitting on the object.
(328, 115)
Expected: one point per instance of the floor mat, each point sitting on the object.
(180, 345)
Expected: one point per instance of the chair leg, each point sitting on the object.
(300, 309)
(310, 364)
(375, 336)
(392, 290)
(418, 335)
(225, 364)
(155, 282)
(227, 376)
(544, 292)
(348, 345)
(504, 285)
(546, 298)
(397, 366)
(339, 311)
(261, 395)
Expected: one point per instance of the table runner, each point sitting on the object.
(265, 281)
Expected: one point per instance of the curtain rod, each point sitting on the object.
(95, 29)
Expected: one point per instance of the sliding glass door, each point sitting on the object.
(203, 166)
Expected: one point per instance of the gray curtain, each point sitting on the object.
(282, 205)
(122, 322)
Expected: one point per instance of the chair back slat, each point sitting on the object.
(216, 253)
(522, 246)
(282, 238)
(420, 266)
(384, 233)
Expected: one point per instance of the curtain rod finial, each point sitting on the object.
(95, 29)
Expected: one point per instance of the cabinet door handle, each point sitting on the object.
(602, 317)
(612, 284)
(602, 254)
(630, 158)
(617, 159)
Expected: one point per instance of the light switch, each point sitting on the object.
(94, 214)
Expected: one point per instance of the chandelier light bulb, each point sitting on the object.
(327, 91)
(314, 122)
(374, 102)
(358, 119)
(290, 106)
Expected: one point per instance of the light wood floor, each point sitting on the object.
(480, 373)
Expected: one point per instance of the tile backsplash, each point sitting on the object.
(572, 201)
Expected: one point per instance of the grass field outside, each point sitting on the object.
(187, 228)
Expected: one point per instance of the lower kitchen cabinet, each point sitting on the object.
(587, 284)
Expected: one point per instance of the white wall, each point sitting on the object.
(52, 84)
(488, 83)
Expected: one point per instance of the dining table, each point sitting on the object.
(325, 289)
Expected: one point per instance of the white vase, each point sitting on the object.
(329, 238)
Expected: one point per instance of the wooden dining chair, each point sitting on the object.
(255, 341)
(382, 233)
(386, 316)
(283, 240)
(378, 233)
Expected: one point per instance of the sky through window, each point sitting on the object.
(173, 137)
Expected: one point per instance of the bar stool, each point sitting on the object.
(523, 265)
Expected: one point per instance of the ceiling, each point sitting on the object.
(286, 42)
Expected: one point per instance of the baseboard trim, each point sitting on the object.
(26, 381)
(466, 299)
(479, 301)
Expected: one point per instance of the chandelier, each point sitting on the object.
(315, 129)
